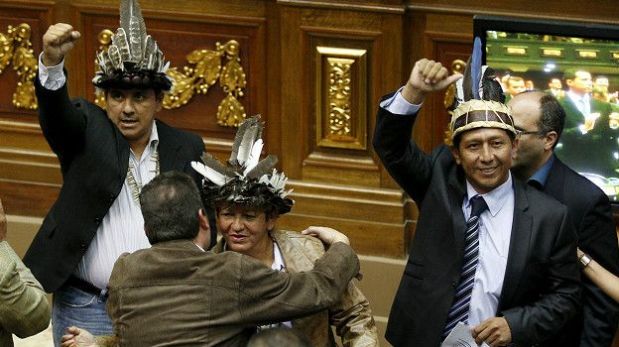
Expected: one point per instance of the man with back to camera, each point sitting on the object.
(508, 269)
(176, 294)
(539, 118)
(105, 158)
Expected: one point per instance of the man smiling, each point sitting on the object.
(481, 254)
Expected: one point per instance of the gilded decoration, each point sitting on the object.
(457, 66)
(339, 96)
(105, 39)
(16, 50)
(341, 112)
(206, 68)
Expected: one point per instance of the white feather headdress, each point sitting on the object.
(246, 179)
(133, 59)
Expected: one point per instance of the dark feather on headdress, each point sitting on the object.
(264, 167)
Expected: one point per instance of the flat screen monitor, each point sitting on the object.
(579, 64)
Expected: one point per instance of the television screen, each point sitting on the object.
(579, 64)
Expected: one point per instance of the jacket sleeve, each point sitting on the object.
(533, 323)
(598, 238)
(62, 122)
(353, 320)
(24, 309)
(409, 166)
(267, 296)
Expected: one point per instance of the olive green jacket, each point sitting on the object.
(24, 309)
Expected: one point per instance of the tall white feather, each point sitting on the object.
(246, 144)
(254, 156)
(209, 173)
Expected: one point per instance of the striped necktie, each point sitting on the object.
(459, 311)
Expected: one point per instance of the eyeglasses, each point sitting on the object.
(522, 132)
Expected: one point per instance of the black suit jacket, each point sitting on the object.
(541, 286)
(93, 157)
(590, 211)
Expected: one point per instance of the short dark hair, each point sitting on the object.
(552, 116)
(170, 205)
(280, 336)
(570, 74)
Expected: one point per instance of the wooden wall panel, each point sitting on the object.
(286, 47)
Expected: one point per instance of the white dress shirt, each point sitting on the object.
(495, 230)
(122, 228)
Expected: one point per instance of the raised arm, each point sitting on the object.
(406, 162)
(63, 124)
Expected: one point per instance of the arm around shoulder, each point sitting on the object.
(267, 295)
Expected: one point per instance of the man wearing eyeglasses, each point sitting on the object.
(539, 121)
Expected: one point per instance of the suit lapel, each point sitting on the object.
(519, 245)
(555, 184)
(122, 152)
(455, 197)
(168, 147)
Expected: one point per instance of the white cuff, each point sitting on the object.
(51, 77)
(398, 105)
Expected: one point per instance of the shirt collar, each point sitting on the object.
(154, 136)
(278, 259)
(541, 175)
(202, 249)
(495, 199)
(575, 97)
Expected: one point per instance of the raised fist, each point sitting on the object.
(57, 42)
(427, 76)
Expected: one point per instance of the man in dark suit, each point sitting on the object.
(525, 284)
(588, 143)
(539, 119)
(105, 156)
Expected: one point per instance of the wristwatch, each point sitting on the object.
(584, 260)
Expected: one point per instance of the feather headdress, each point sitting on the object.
(245, 180)
(133, 59)
(479, 99)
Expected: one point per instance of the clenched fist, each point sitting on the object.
(427, 76)
(57, 42)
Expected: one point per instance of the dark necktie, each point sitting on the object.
(459, 311)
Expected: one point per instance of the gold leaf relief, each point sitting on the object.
(16, 50)
(230, 112)
(182, 89)
(340, 120)
(232, 77)
(6, 51)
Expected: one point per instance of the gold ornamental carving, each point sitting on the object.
(16, 50)
(206, 68)
(341, 94)
(449, 101)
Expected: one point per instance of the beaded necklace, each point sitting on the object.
(134, 185)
